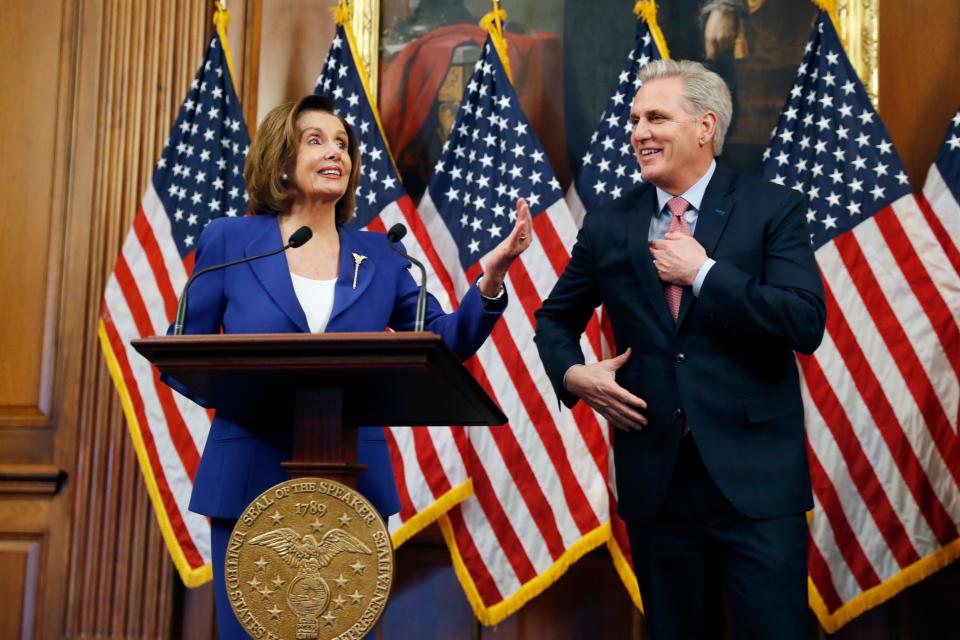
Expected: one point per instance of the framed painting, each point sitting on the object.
(566, 56)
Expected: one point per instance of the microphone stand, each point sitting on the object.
(298, 238)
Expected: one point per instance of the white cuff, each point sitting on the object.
(500, 293)
(701, 275)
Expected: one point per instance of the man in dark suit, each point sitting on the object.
(711, 285)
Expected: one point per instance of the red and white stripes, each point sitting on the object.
(882, 398)
(169, 431)
(540, 482)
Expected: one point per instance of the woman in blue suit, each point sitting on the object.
(303, 169)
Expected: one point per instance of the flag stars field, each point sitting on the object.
(610, 149)
(855, 143)
(486, 117)
(207, 146)
(341, 82)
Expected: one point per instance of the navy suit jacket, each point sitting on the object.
(258, 297)
(726, 368)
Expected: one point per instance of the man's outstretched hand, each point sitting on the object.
(595, 384)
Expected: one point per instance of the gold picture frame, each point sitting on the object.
(859, 28)
(365, 22)
(857, 22)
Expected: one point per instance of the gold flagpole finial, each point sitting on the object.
(343, 13)
(646, 10)
(493, 23)
(221, 19)
(830, 6)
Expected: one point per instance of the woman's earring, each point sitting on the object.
(284, 177)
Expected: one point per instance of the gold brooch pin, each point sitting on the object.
(357, 259)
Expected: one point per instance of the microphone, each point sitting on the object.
(394, 235)
(297, 239)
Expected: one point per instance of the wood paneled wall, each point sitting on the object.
(85, 86)
(133, 62)
(919, 77)
(34, 520)
(88, 94)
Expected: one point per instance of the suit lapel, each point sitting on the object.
(715, 211)
(638, 233)
(345, 295)
(274, 272)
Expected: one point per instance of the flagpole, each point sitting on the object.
(222, 20)
(493, 23)
(646, 10)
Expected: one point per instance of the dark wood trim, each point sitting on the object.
(42, 479)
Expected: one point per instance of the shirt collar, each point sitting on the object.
(693, 195)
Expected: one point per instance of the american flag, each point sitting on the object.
(610, 169)
(199, 177)
(881, 392)
(942, 188)
(430, 474)
(540, 497)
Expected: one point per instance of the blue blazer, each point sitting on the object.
(726, 368)
(258, 297)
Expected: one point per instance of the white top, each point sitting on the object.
(316, 298)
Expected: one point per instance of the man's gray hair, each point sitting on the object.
(704, 91)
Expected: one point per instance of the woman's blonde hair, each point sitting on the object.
(273, 154)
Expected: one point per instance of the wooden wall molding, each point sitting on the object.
(31, 133)
(23, 416)
(40, 479)
(20, 564)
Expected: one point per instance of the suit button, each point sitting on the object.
(681, 358)
(678, 415)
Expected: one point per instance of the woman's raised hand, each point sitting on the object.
(503, 255)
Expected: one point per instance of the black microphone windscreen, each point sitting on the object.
(396, 232)
(300, 236)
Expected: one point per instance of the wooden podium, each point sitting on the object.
(324, 386)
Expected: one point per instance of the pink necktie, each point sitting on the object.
(672, 292)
